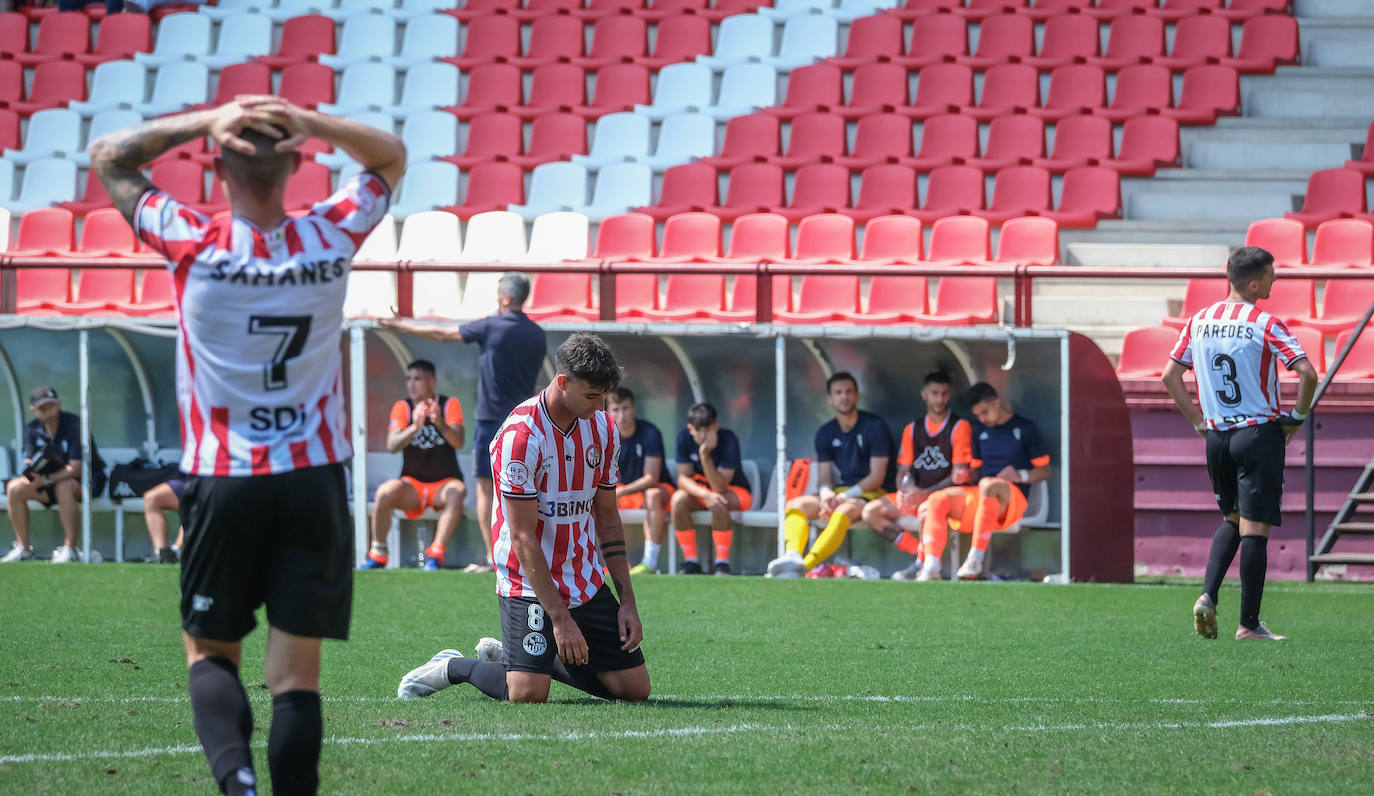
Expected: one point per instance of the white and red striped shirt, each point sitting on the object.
(259, 315)
(533, 459)
(1236, 344)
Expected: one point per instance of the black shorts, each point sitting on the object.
(48, 497)
(1246, 466)
(284, 539)
(481, 446)
(527, 636)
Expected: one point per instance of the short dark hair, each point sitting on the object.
(936, 377)
(516, 286)
(587, 358)
(264, 170)
(843, 375)
(422, 365)
(622, 394)
(701, 415)
(980, 392)
(1247, 264)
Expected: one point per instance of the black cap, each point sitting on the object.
(42, 394)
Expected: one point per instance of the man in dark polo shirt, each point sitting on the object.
(52, 476)
(710, 476)
(512, 350)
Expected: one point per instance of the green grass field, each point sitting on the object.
(761, 686)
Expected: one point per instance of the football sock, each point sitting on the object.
(587, 684)
(1254, 560)
(722, 540)
(293, 743)
(908, 544)
(1224, 545)
(985, 523)
(797, 530)
(687, 540)
(650, 555)
(936, 530)
(489, 677)
(829, 541)
(223, 722)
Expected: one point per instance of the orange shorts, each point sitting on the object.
(427, 492)
(746, 500)
(1016, 509)
(636, 501)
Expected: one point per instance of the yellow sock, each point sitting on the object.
(829, 541)
(797, 530)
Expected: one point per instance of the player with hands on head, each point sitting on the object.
(709, 476)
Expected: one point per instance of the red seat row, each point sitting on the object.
(1103, 9)
(1294, 301)
(1332, 194)
(554, 88)
(1345, 242)
(1267, 42)
(1207, 92)
(67, 35)
(595, 9)
(1144, 353)
(185, 179)
(96, 12)
(561, 39)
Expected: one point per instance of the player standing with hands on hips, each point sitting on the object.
(260, 396)
(1234, 349)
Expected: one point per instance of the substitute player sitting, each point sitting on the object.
(934, 454)
(709, 476)
(557, 527)
(644, 482)
(853, 452)
(1010, 455)
(427, 428)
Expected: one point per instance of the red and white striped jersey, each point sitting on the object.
(259, 317)
(1232, 347)
(533, 459)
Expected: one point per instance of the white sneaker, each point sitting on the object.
(970, 569)
(909, 573)
(65, 555)
(490, 649)
(428, 679)
(18, 552)
(930, 572)
(788, 565)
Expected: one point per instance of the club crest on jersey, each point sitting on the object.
(593, 457)
(517, 474)
(535, 644)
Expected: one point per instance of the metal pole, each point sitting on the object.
(84, 369)
(780, 397)
(1311, 508)
(357, 404)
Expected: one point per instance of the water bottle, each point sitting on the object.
(906, 494)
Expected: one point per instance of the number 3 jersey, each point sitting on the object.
(1235, 348)
(259, 316)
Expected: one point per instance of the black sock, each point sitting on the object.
(224, 723)
(590, 684)
(1254, 560)
(293, 743)
(489, 677)
(1224, 545)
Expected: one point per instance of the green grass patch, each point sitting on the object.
(759, 685)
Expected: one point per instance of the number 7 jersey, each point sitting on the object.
(259, 317)
(1234, 349)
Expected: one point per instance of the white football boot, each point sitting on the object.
(429, 679)
(972, 567)
(490, 649)
(65, 555)
(788, 565)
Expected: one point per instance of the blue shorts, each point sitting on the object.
(481, 445)
(178, 486)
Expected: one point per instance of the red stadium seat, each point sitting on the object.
(752, 188)
(873, 38)
(1198, 39)
(480, 8)
(691, 187)
(758, 237)
(951, 190)
(940, 88)
(690, 237)
(814, 138)
(691, 297)
(9, 129)
(817, 188)
(751, 138)
(1266, 43)
(1018, 191)
(1144, 352)
(1133, 39)
(1031, 240)
(1179, 10)
(491, 186)
(307, 84)
(1007, 89)
(959, 240)
(1207, 92)
(1359, 363)
(1110, 9)
(309, 185)
(936, 38)
(490, 37)
(65, 34)
(724, 8)
(1014, 140)
(884, 190)
(246, 78)
(984, 9)
(1342, 308)
(555, 88)
(822, 299)
(824, 238)
(878, 139)
(619, 87)
(14, 33)
(628, 236)
(99, 290)
(895, 299)
(1078, 141)
(554, 136)
(55, 83)
(892, 240)
(679, 38)
(1074, 89)
(1313, 345)
(1344, 242)
(41, 288)
(966, 299)
(811, 88)
(491, 136)
(156, 296)
(47, 230)
(1140, 89)
(1282, 237)
(1068, 39)
(105, 233)
(1292, 300)
(183, 179)
(303, 39)
(1087, 195)
(120, 36)
(877, 88)
(635, 294)
(492, 88)
(94, 197)
(1198, 296)
(1331, 193)
(560, 297)
(617, 39)
(913, 9)
(602, 8)
(1147, 143)
(552, 39)
(946, 140)
(1002, 38)
(1365, 165)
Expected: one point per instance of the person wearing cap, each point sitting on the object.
(51, 476)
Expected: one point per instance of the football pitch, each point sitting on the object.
(764, 686)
